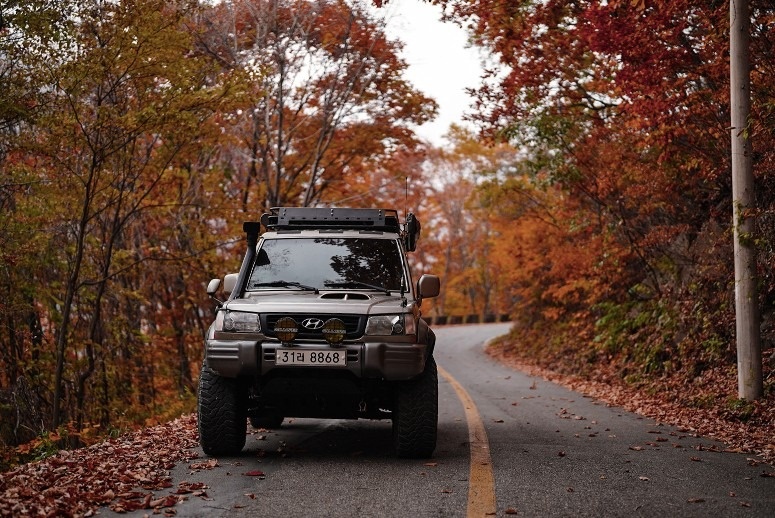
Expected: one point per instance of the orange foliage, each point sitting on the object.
(618, 220)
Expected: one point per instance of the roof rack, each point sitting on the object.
(299, 218)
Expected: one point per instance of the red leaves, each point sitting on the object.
(167, 501)
(255, 473)
(208, 464)
(134, 501)
(78, 482)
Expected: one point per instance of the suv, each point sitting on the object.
(321, 321)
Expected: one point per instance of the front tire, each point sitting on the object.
(416, 414)
(222, 419)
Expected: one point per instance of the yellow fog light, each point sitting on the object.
(334, 331)
(286, 329)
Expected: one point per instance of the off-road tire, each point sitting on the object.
(269, 421)
(222, 418)
(416, 414)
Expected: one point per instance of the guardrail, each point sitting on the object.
(451, 320)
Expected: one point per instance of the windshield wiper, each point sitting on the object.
(284, 284)
(358, 284)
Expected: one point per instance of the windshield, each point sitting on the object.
(328, 263)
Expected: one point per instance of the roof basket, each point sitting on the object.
(300, 218)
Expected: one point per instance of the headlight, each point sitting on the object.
(390, 325)
(237, 322)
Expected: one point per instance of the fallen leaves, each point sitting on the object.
(78, 482)
(195, 488)
(564, 414)
(136, 500)
(667, 402)
(208, 464)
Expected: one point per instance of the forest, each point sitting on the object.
(593, 204)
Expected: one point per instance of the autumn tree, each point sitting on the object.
(328, 99)
(122, 101)
(458, 237)
(623, 106)
(24, 208)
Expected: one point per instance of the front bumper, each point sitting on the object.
(376, 360)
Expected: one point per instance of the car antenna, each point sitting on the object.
(406, 196)
(404, 287)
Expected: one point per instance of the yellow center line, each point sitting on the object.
(481, 483)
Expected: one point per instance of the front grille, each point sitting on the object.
(354, 324)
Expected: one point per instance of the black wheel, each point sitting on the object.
(416, 413)
(268, 420)
(221, 414)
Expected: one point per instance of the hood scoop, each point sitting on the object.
(345, 296)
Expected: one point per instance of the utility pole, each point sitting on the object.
(749, 352)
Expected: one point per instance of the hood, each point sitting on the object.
(345, 302)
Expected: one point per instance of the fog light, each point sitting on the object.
(286, 329)
(334, 331)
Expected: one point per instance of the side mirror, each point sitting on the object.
(428, 286)
(213, 286)
(229, 281)
(212, 289)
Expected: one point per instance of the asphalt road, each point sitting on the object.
(538, 450)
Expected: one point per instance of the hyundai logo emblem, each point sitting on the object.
(312, 323)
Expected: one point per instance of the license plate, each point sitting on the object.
(312, 357)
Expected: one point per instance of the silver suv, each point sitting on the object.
(321, 321)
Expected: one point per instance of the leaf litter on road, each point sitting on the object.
(120, 473)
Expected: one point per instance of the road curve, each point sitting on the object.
(558, 453)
